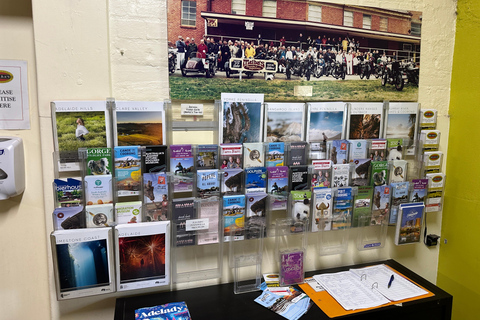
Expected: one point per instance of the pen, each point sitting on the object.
(390, 282)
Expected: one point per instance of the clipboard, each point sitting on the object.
(333, 309)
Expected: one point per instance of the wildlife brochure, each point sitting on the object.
(340, 175)
(362, 204)
(275, 154)
(169, 311)
(101, 215)
(68, 192)
(256, 179)
(278, 187)
(322, 208)
(207, 156)
(128, 212)
(432, 161)
(183, 210)
(83, 262)
(233, 181)
(301, 203)
(255, 216)
(234, 217)
(128, 170)
(360, 174)
(394, 149)
(378, 173)
(182, 166)
(436, 187)
(378, 150)
(140, 123)
(209, 209)
(381, 205)
(402, 122)
(398, 171)
(326, 121)
(409, 223)
(322, 174)
(298, 154)
(399, 196)
(99, 161)
(208, 183)
(155, 159)
(150, 265)
(428, 119)
(79, 124)
(98, 189)
(365, 120)
(231, 156)
(299, 178)
(338, 151)
(66, 218)
(291, 268)
(253, 155)
(241, 118)
(155, 192)
(420, 187)
(285, 122)
(358, 149)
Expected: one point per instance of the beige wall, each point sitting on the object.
(89, 49)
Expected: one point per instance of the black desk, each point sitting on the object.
(219, 302)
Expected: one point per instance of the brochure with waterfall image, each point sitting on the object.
(365, 120)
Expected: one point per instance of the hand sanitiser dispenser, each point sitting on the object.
(12, 167)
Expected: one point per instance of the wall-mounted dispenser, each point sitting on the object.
(12, 167)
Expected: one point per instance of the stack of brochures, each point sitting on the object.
(169, 311)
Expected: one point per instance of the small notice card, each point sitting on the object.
(14, 110)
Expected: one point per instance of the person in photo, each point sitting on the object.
(81, 131)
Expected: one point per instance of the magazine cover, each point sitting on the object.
(291, 268)
(381, 204)
(209, 209)
(231, 156)
(365, 120)
(326, 121)
(420, 187)
(169, 311)
(378, 150)
(68, 192)
(139, 123)
(66, 218)
(100, 215)
(207, 156)
(278, 187)
(128, 212)
(394, 149)
(155, 159)
(183, 210)
(98, 189)
(155, 192)
(79, 124)
(301, 203)
(253, 155)
(322, 208)
(285, 122)
(298, 155)
(398, 171)
(428, 119)
(142, 255)
(409, 224)
(208, 183)
(128, 170)
(360, 174)
(340, 175)
(99, 161)
(182, 166)
(233, 181)
(322, 174)
(255, 214)
(83, 262)
(256, 179)
(299, 178)
(362, 204)
(275, 154)
(378, 173)
(436, 187)
(402, 123)
(234, 217)
(399, 196)
(241, 118)
(343, 205)
(338, 151)
(358, 149)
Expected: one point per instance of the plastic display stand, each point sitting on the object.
(333, 235)
(371, 236)
(291, 248)
(245, 258)
(202, 260)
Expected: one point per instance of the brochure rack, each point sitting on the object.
(245, 258)
(371, 236)
(333, 235)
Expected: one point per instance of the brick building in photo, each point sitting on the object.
(375, 28)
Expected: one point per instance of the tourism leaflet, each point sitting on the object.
(275, 154)
(208, 183)
(256, 179)
(340, 175)
(360, 173)
(358, 149)
(128, 212)
(209, 209)
(68, 192)
(182, 166)
(338, 151)
(428, 119)
(255, 214)
(322, 208)
(381, 204)
(298, 154)
(98, 216)
(399, 196)
(277, 187)
(343, 204)
(436, 188)
(432, 161)
(207, 156)
(155, 159)
(99, 161)
(128, 170)
(253, 155)
(378, 150)
(98, 189)
(234, 217)
(169, 311)
(362, 204)
(378, 173)
(398, 171)
(419, 192)
(409, 224)
(301, 203)
(231, 156)
(291, 268)
(395, 149)
(183, 210)
(233, 181)
(299, 178)
(322, 174)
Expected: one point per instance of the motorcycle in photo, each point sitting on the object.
(393, 75)
(172, 61)
(197, 64)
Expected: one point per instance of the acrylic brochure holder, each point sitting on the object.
(197, 244)
(245, 259)
(369, 235)
(333, 235)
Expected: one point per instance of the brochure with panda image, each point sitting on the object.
(380, 204)
(398, 171)
(155, 159)
(233, 181)
(300, 210)
(99, 161)
(297, 154)
(322, 208)
(98, 189)
(378, 173)
(340, 175)
(358, 149)
(128, 170)
(234, 217)
(66, 218)
(68, 192)
(98, 216)
(253, 155)
(400, 192)
(275, 154)
(394, 149)
(128, 212)
(338, 151)
(256, 179)
(255, 214)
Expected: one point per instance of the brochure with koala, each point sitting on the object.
(378, 173)
(182, 166)
(99, 215)
(99, 161)
(128, 170)
(278, 187)
(381, 204)
(155, 159)
(323, 206)
(234, 217)
(253, 155)
(275, 154)
(128, 212)
(399, 196)
(255, 214)
(98, 189)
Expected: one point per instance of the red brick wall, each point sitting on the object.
(291, 10)
(332, 15)
(358, 20)
(398, 26)
(375, 23)
(254, 8)
(174, 26)
(222, 6)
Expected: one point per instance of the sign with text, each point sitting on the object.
(189, 109)
(253, 65)
(14, 109)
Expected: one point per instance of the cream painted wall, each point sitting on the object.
(78, 50)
